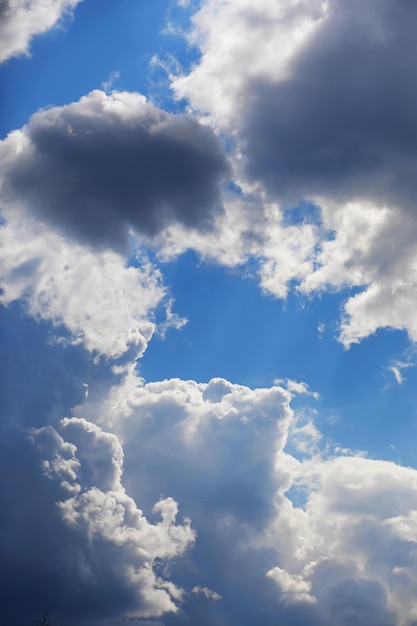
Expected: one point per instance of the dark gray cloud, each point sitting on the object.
(4, 8)
(105, 164)
(344, 123)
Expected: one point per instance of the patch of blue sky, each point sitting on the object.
(236, 332)
(305, 212)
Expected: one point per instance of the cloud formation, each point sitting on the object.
(326, 540)
(21, 20)
(101, 542)
(93, 299)
(323, 540)
(323, 119)
(243, 531)
(106, 164)
(342, 124)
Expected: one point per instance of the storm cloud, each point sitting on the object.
(109, 163)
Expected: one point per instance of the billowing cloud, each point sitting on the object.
(92, 540)
(326, 105)
(21, 20)
(93, 299)
(342, 124)
(348, 547)
(191, 502)
(241, 532)
(319, 541)
(320, 100)
(110, 163)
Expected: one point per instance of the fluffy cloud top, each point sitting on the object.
(96, 505)
(108, 163)
(343, 554)
(323, 541)
(21, 20)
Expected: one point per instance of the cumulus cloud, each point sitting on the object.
(345, 543)
(106, 164)
(211, 425)
(102, 304)
(325, 106)
(20, 21)
(323, 111)
(239, 40)
(342, 123)
(98, 507)
(319, 541)
(322, 540)
(294, 588)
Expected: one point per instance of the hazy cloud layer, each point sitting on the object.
(108, 163)
(21, 20)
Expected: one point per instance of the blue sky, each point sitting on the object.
(208, 267)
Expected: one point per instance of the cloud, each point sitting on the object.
(20, 21)
(294, 588)
(342, 124)
(106, 164)
(91, 298)
(94, 503)
(239, 41)
(347, 540)
(373, 247)
(325, 106)
(321, 541)
(208, 593)
(319, 99)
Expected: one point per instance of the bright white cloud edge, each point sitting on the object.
(22, 20)
(354, 527)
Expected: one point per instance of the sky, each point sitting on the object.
(208, 270)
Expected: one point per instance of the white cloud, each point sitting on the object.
(21, 20)
(281, 78)
(373, 248)
(297, 387)
(239, 40)
(206, 592)
(98, 506)
(354, 531)
(294, 587)
(105, 306)
(336, 535)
